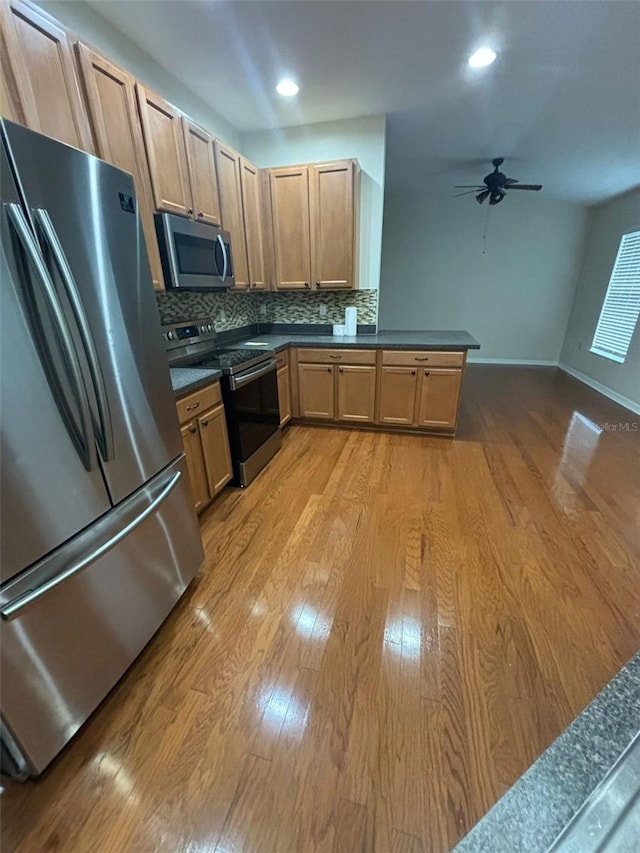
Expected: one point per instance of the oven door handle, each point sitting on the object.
(219, 239)
(242, 379)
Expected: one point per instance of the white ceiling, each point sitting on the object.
(561, 103)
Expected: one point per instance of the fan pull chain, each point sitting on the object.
(486, 230)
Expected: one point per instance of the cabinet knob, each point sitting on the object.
(329, 369)
(334, 356)
(205, 423)
(426, 373)
(318, 283)
(190, 210)
(200, 214)
(193, 429)
(413, 373)
(306, 284)
(342, 370)
(194, 406)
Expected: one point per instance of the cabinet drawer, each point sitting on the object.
(337, 356)
(282, 358)
(196, 403)
(426, 358)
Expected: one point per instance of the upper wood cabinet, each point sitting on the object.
(314, 222)
(166, 155)
(202, 174)
(290, 218)
(253, 225)
(39, 80)
(113, 118)
(333, 191)
(228, 169)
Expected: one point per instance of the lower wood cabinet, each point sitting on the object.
(212, 427)
(390, 388)
(356, 393)
(439, 396)
(315, 391)
(195, 464)
(206, 444)
(397, 396)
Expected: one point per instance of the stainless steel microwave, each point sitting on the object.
(194, 256)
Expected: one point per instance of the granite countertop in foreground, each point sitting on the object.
(531, 815)
(436, 340)
(187, 379)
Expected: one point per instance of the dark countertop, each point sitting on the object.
(187, 379)
(387, 340)
(536, 809)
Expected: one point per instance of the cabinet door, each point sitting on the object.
(252, 211)
(164, 144)
(333, 224)
(356, 393)
(39, 75)
(315, 391)
(202, 174)
(215, 448)
(111, 106)
(228, 169)
(290, 216)
(439, 397)
(397, 400)
(284, 395)
(195, 465)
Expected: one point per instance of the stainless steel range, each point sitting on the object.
(249, 389)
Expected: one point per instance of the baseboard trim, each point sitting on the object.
(602, 389)
(530, 362)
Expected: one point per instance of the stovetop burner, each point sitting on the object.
(227, 359)
(194, 344)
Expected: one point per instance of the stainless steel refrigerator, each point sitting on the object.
(99, 538)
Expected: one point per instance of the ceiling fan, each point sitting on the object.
(495, 185)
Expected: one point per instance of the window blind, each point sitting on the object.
(621, 305)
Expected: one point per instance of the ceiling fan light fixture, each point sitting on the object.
(482, 57)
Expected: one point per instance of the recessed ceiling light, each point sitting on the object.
(482, 57)
(287, 88)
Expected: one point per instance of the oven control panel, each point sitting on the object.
(200, 332)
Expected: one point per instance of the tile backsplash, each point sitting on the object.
(231, 310)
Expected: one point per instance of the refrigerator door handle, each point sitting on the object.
(87, 450)
(13, 607)
(103, 430)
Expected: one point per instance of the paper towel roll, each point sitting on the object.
(351, 320)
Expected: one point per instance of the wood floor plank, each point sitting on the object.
(387, 630)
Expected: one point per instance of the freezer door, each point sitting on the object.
(84, 213)
(51, 485)
(73, 624)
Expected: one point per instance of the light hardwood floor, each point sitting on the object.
(387, 631)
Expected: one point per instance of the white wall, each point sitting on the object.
(609, 222)
(515, 299)
(93, 28)
(363, 138)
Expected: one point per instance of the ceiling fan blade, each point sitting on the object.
(466, 192)
(526, 187)
(510, 181)
(467, 187)
(482, 196)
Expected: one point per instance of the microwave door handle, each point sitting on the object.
(104, 431)
(86, 445)
(219, 239)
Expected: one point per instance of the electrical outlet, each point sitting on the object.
(222, 315)
(323, 309)
(263, 309)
